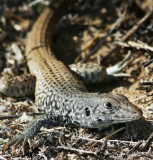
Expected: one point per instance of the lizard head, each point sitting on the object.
(106, 109)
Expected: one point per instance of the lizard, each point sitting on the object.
(62, 96)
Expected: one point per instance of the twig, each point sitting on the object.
(136, 26)
(138, 45)
(149, 88)
(38, 1)
(147, 143)
(146, 83)
(76, 151)
(145, 96)
(17, 116)
(148, 63)
(146, 86)
(135, 147)
(110, 141)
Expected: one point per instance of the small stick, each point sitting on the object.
(146, 83)
(17, 116)
(76, 151)
(136, 26)
(148, 142)
(135, 147)
(110, 141)
(148, 63)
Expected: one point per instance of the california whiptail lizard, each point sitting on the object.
(60, 94)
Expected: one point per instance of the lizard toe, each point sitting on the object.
(20, 139)
(10, 143)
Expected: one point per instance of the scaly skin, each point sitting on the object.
(61, 95)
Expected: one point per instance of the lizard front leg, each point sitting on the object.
(31, 130)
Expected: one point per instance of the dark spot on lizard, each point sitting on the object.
(87, 111)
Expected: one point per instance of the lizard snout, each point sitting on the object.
(137, 111)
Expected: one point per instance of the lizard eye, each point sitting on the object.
(87, 110)
(108, 105)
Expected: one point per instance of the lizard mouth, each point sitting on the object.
(126, 120)
(113, 121)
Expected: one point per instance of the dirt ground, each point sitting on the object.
(93, 32)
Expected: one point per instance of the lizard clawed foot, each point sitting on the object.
(22, 138)
(115, 70)
(28, 133)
